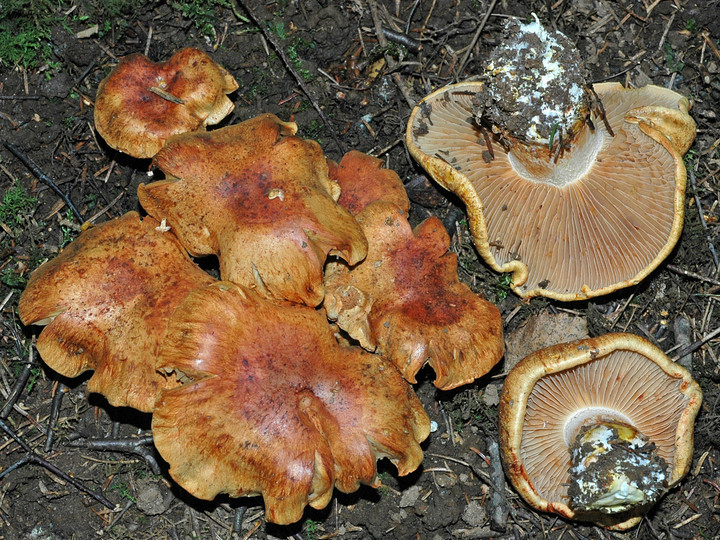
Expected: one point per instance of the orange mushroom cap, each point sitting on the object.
(271, 404)
(261, 199)
(142, 103)
(105, 301)
(405, 300)
(550, 395)
(364, 180)
(601, 217)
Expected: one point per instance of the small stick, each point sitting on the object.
(288, 65)
(693, 275)
(479, 30)
(32, 457)
(60, 391)
(388, 59)
(44, 178)
(408, 42)
(695, 346)
(698, 204)
(498, 505)
(20, 97)
(19, 386)
(140, 446)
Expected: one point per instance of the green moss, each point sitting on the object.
(16, 205)
(25, 32)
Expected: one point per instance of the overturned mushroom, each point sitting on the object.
(598, 429)
(105, 302)
(405, 299)
(142, 103)
(261, 199)
(573, 210)
(272, 405)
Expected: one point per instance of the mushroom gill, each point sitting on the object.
(555, 394)
(599, 215)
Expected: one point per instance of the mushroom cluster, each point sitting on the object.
(249, 389)
(577, 191)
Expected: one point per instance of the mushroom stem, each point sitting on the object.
(535, 93)
(614, 468)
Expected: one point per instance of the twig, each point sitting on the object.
(693, 275)
(20, 97)
(140, 446)
(388, 60)
(44, 178)
(498, 505)
(32, 457)
(406, 41)
(19, 386)
(288, 65)
(691, 174)
(60, 391)
(479, 30)
(695, 346)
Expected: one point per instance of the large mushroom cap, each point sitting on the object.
(271, 404)
(405, 300)
(550, 395)
(105, 301)
(142, 103)
(601, 217)
(261, 199)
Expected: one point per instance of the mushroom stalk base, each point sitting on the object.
(615, 468)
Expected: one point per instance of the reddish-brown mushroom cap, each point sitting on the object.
(261, 199)
(603, 217)
(405, 300)
(142, 103)
(106, 300)
(271, 404)
(363, 180)
(551, 394)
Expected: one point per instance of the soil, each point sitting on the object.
(365, 85)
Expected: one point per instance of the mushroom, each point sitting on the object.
(363, 180)
(574, 210)
(271, 404)
(105, 301)
(597, 429)
(405, 300)
(260, 198)
(142, 103)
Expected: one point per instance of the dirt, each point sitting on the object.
(364, 88)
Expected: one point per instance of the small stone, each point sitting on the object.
(410, 496)
(474, 514)
(150, 498)
(491, 396)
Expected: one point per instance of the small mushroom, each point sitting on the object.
(574, 210)
(405, 300)
(260, 198)
(597, 429)
(105, 301)
(142, 103)
(271, 404)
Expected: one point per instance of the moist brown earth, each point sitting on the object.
(328, 56)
